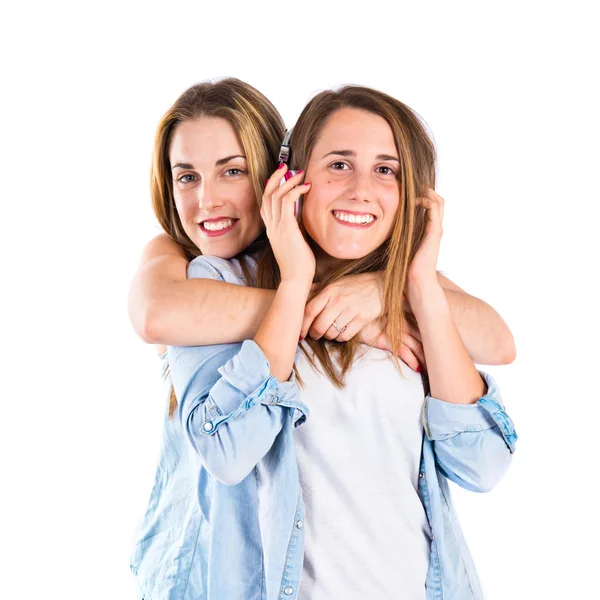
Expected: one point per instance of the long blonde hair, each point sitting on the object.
(417, 172)
(258, 126)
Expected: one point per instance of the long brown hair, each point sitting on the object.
(258, 126)
(417, 172)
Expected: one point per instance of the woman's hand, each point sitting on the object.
(375, 334)
(351, 303)
(278, 334)
(422, 270)
(452, 375)
(295, 258)
(355, 304)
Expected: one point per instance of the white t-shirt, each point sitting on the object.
(367, 534)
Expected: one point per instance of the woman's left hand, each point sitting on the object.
(422, 269)
(350, 302)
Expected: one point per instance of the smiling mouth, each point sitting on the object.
(219, 226)
(354, 219)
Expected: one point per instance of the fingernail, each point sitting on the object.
(266, 182)
(300, 171)
(419, 368)
(281, 165)
(307, 183)
(300, 338)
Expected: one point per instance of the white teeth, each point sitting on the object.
(350, 218)
(217, 225)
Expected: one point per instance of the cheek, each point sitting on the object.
(186, 207)
(250, 209)
(391, 210)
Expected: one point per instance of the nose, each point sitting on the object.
(362, 186)
(208, 198)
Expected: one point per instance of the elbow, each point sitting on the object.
(504, 352)
(475, 463)
(229, 477)
(509, 353)
(488, 480)
(480, 480)
(218, 455)
(224, 470)
(149, 327)
(494, 468)
(145, 318)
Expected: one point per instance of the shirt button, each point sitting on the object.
(421, 475)
(288, 591)
(207, 426)
(299, 524)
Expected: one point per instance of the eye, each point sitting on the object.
(234, 172)
(187, 178)
(385, 170)
(339, 165)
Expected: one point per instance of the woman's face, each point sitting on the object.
(350, 208)
(212, 187)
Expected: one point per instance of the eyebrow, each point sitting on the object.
(220, 162)
(224, 161)
(352, 154)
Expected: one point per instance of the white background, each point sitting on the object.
(509, 91)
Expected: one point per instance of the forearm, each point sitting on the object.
(486, 336)
(197, 312)
(452, 374)
(278, 334)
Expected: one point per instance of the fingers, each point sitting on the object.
(409, 358)
(343, 322)
(352, 328)
(413, 331)
(333, 311)
(415, 347)
(278, 197)
(320, 314)
(434, 204)
(271, 185)
(322, 326)
(311, 311)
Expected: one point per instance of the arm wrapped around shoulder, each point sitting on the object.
(473, 443)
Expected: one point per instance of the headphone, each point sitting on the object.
(284, 157)
(284, 149)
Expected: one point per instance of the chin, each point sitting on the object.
(349, 252)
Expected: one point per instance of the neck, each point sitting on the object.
(325, 262)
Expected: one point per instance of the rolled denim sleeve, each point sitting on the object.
(473, 443)
(229, 404)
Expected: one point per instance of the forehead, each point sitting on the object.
(355, 129)
(205, 137)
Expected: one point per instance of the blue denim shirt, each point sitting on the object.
(225, 517)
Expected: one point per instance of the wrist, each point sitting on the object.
(297, 290)
(298, 283)
(420, 285)
(426, 296)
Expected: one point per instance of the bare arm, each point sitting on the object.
(486, 336)
(167, 308)
(452, 375)
(278, 334)
(356, 302)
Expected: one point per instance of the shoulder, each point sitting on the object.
(220, 269)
